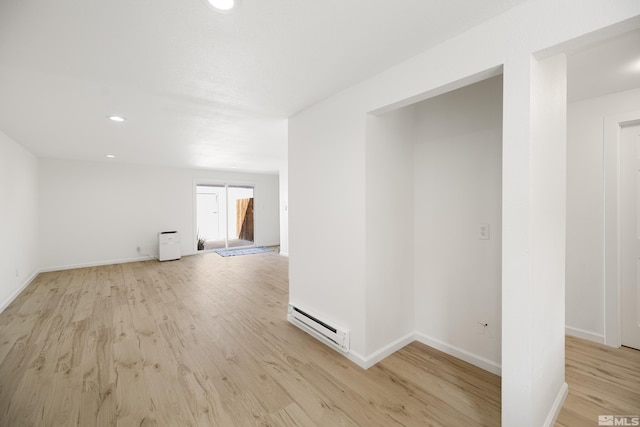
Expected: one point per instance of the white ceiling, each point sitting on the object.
(606, 67)
(200, 88)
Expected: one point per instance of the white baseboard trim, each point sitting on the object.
(461, 354)
(586, 335)
(97, 264)
(18, 291)
(284, 253)
(388, 350)
(266, 245)
(379, 355)
(557, 406)
(356, 358)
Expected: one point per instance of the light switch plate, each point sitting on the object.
(483, 232)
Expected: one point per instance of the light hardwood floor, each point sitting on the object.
(602, 381)
(204, 341)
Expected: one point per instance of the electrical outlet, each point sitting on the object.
(17, 272)
(483, 232)
(138, 248)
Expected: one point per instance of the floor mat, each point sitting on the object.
(245, 251)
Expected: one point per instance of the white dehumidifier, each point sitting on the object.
(168, 246)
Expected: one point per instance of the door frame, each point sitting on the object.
(226, 184)
(611, 188)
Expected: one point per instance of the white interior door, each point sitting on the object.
(630, 236)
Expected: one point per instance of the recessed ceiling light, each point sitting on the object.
(222, 5)
(110, 156)
(116, 118)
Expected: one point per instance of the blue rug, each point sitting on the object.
(245, 251)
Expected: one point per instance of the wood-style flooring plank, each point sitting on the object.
(602, 381)
(204, 341)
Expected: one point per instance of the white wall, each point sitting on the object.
(96, 212)
(327, 152)
(458, 165)
(433, 174)
(389, 230)
(585, 304)
(547, 192)
(326, 216)
(284, 203)
(20, 239)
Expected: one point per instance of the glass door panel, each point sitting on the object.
(240, 222)
(211, 216)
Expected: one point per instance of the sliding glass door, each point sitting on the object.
(224, 216)
(240, 218)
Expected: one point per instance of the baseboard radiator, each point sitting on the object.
(331, 335)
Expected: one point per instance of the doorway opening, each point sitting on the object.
(629, 234)
(434, 190)
(602, 101)
(224, 216)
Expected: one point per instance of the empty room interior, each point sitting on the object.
(223, 213)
